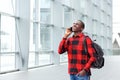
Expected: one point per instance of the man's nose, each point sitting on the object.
(75, 24)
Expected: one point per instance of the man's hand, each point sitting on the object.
(67, 32)
(82, 73)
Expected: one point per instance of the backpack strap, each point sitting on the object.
(85, 44)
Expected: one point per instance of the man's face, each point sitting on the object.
(77, 27)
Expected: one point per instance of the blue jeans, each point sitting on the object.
(74, 77)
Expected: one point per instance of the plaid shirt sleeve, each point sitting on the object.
(91, 52)
(62, 46)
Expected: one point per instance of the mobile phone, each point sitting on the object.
(70, 28)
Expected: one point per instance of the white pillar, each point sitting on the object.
(22, 33)
(0, 42)
(37, 31)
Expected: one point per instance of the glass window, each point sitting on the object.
(102, 17)
(109, 1)
(39, 58)
(45, 37)
(96, 2)
(64, 57)
(107, 43)
(32, 48)
(7, 43)
(67, 17)
(45, 15)
(102, 2)
(45, 3)
(102, 28)
(7, 6)
(98, 28)
(32, 9)
(102, 42)
(94, 27)
(40, 45)
(83, 3)
(31, 59)
(107, 19)
(7, 61)
(40, 36)
(109, 10)
(96, 13)
(7, 34)
(107, 31)
(45, 11)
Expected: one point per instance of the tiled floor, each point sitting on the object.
(111, 71)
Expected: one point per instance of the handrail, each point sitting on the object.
(9, 52)
(10, 15)
(41, 51)
(43, 23)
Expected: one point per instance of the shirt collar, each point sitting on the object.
(79, 35)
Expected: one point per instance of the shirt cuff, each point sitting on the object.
(86, 69)
(64, 38)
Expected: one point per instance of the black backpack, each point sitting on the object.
(99, 62)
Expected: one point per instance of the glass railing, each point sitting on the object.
(7, 62)
(7, 37)
(40, 58)
(64, 57)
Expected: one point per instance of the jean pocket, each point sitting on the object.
(82, 77)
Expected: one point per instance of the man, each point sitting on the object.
(78, 61)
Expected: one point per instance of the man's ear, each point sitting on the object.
(82, 29)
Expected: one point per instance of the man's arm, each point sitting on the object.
(63, 44)
(91, 52)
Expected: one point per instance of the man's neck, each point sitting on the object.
(77, 33)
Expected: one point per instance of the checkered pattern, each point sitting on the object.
(77, 58)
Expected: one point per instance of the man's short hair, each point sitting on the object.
(83, 25)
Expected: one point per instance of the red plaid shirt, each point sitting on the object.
(77, 58)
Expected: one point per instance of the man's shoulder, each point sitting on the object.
(87, 37)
